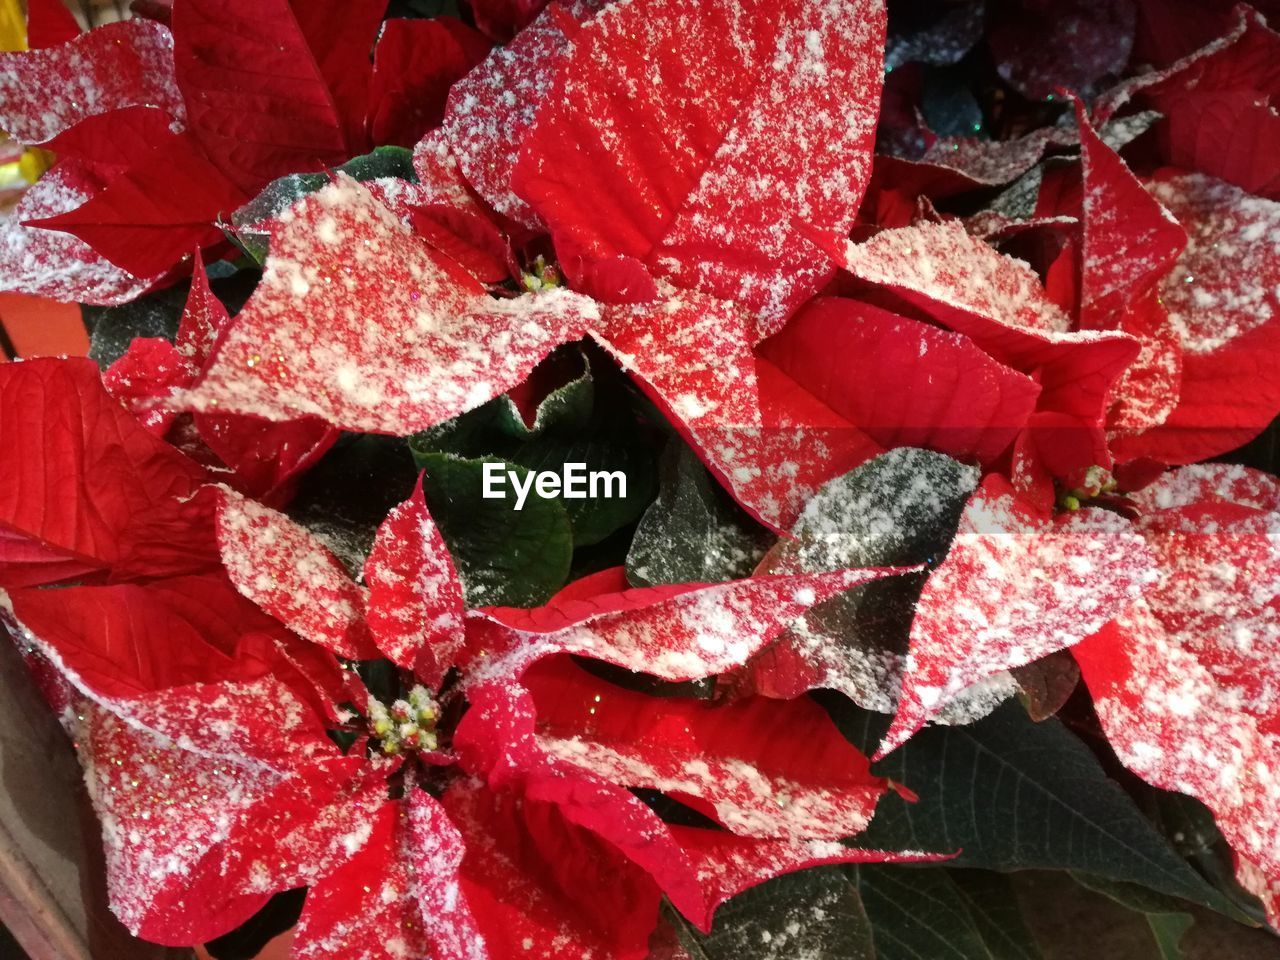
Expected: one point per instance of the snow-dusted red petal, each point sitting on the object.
(1013, 588)
(358, 322)
(941, 263)
(492, 110)
(415, 64)
(531, 883)
(204, 317)
(761, 116)
(291, 575)
(1130, 240)
(1223, 301)
(367, 909)
(127, 640)
(162, 809)
(43, 92)
(49, 263)
(771, 443)
(1175, 725)
(676, 633)
(727, 865)
(150, 368)
(743, 762)
(310, 823)
(415, 598)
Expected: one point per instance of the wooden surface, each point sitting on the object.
(52, 888)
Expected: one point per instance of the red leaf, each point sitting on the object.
(49, 23)
(939, 264)
(1041, 46)
(405, 340)
(123, 641)
(470, 239)
(998, 302)
(1013, 588)
(532, 884)
(265, 457)
(1223, 298)
(504, 19)
(741, 762)
(80, 477)
(1219, 107)
(770, 442)
(323, 816)
(677, 633)
(414, 65)
(491, 111)
(1185, 683)
(902, 382)
(148, 216)
(292, 576)
(368, 908)
(1150, 389)
(1130, 240)
(776, 109)
(109, 143)
(122, 64)
(204, 318)
(415, 598)
(150, 368)
(46, 263)
(278, 87)
(156, 836)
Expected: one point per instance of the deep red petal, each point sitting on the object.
(415, 598)
(392, 341)
(714, 208)
(275, 88)
(77, 472)
(1013, 588)
(292, 576)
(677, 633)
(414, 65)
(903, 382)
(119, 65)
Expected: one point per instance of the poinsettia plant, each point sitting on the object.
(937, 347)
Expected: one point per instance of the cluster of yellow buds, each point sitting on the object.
(1096, 481)
(543, 276)
(407, 725)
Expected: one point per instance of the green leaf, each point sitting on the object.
(693, 532)
(1168, 930)
(1009, 794)
(815, 914)
(932, 913)
(504, 556)
(569, 427)
(1195, 836)
(596, 517)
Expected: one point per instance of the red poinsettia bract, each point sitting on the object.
(232, 755)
